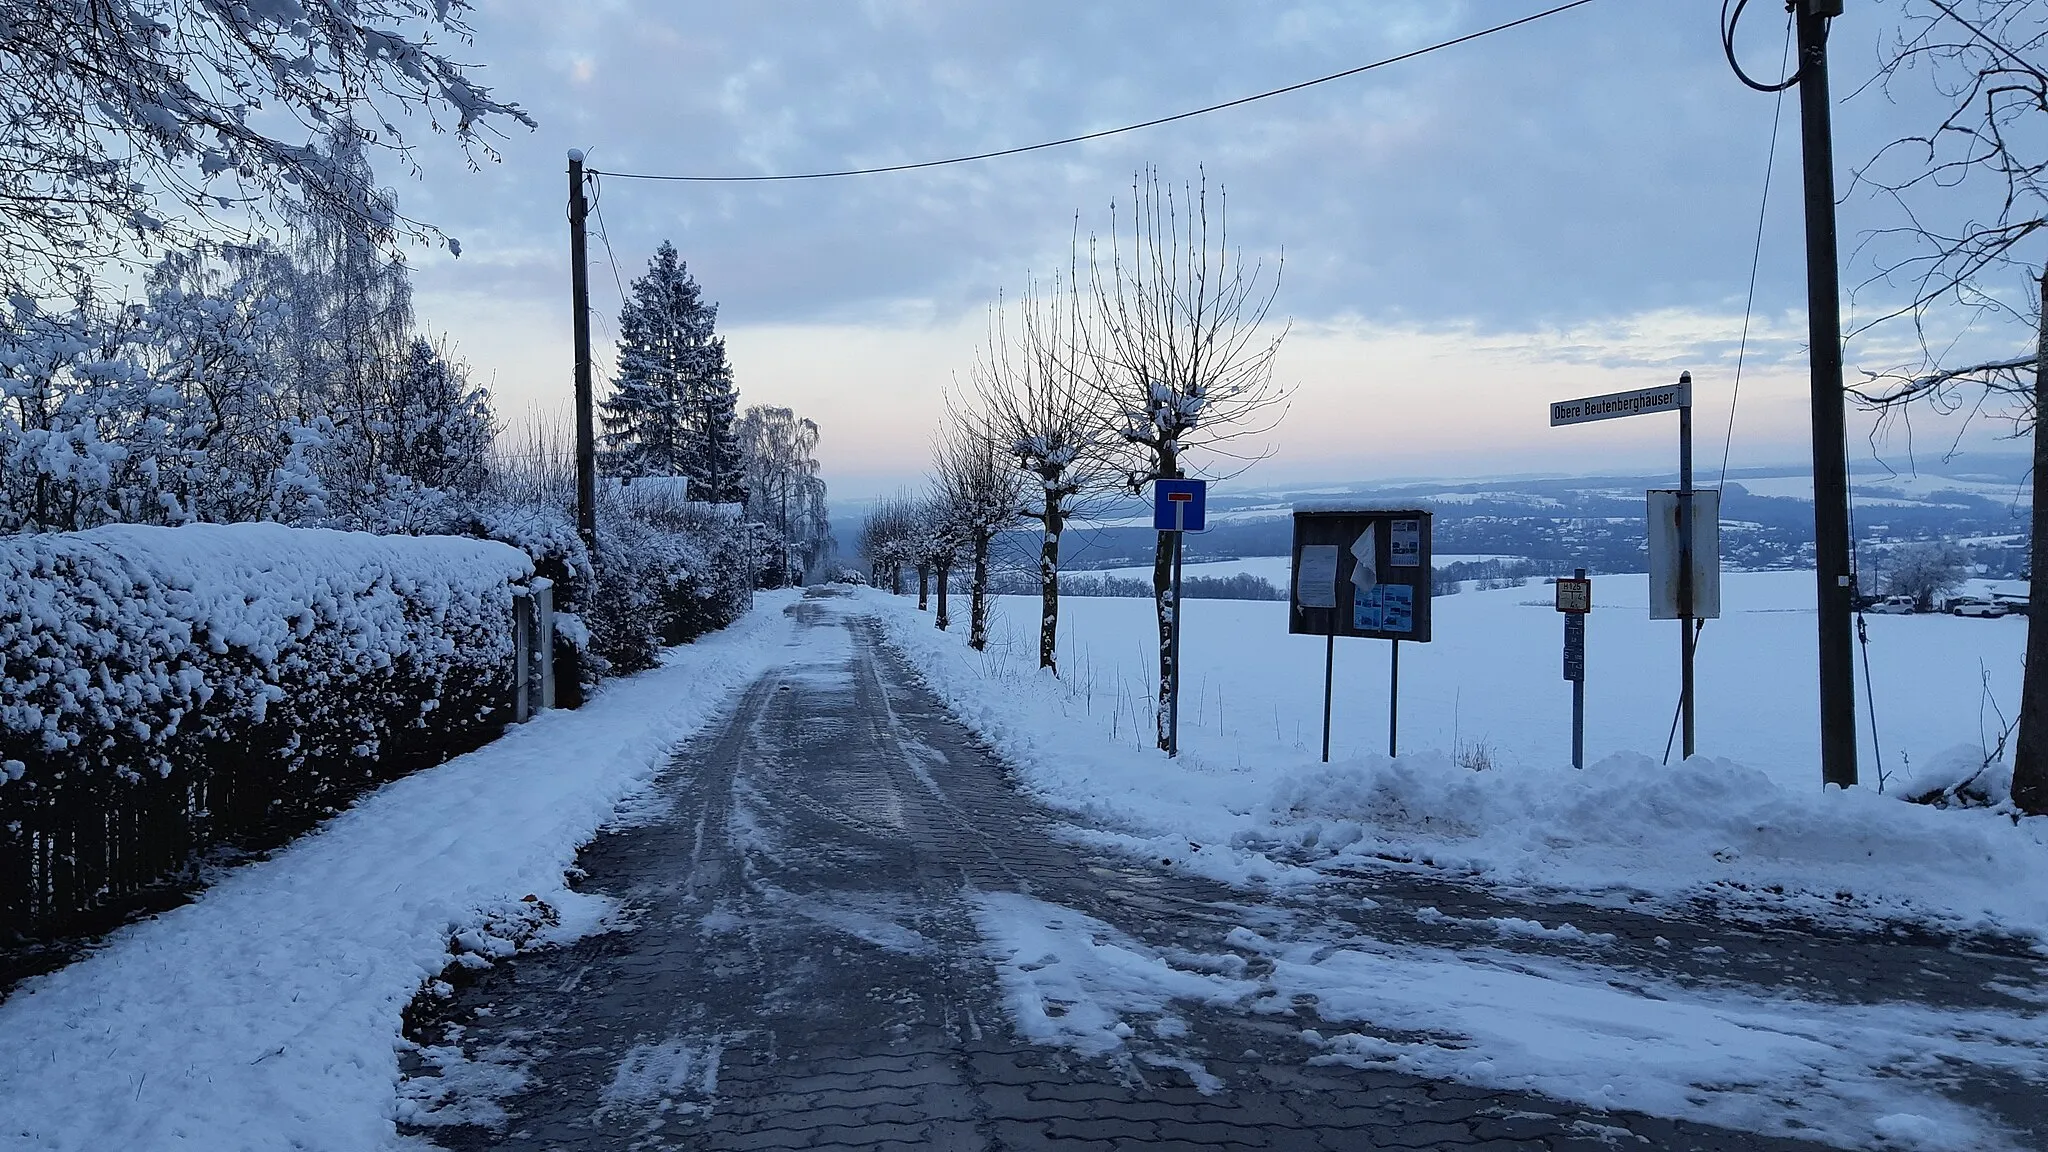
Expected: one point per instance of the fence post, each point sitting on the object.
(522, 654)
(544, 638)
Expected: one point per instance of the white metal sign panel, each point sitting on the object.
(1706, 554)
(1641, 401)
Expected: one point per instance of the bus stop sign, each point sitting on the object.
(1179, 505)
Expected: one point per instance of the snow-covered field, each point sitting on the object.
(1747, 815)
(1493, 675)
(264, 1015)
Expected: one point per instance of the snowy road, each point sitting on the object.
(840, 925)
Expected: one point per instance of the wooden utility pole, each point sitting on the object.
(579, 292)
(2030, 754)
(1831, 543)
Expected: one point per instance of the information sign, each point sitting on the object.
(1574, 595)
(1361, 573)
(1575, 647)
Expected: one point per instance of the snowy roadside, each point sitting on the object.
(265, 1014)
(1253, 811)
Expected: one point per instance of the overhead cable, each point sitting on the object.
(1106, 132)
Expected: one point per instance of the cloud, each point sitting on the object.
(1580, 193)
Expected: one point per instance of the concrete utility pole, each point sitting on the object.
(579, 293)
(1831, 543)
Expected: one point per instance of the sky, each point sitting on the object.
(1562, 209)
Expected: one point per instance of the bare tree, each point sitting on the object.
(1973, 192)
(1036, 396)
(1182, 361)
(886, 539)
(933, 548)
(982, 493)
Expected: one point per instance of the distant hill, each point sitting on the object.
(1594, 521)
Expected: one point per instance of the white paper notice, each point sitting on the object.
(1366, 552)
(1315, 576)
(1404, 543)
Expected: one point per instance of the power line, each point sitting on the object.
(1755, 257)
(1106, 132)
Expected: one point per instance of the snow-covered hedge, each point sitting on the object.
(665, 573)
(165, 690)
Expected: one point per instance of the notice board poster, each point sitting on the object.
(1361, 573)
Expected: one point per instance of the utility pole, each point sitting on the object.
(1686, 631)
(1831, 542)
(579, 293)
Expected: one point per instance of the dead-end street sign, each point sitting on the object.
(1641, 401)
(1180, 505)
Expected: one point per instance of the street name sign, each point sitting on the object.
(1639, 402)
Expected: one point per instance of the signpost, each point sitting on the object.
(1361, 572)
(1575, 600)
(1178, 506)
(1642, 401)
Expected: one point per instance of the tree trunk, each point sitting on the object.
(924, 586)
(1162, 599)
(945, 577)
(2030, 754)
(1049, 584)
(896, 580)
(977, 599)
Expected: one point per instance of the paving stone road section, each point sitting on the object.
(800, 969)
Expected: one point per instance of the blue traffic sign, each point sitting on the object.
(1179, 505)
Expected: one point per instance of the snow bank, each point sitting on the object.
(265, 1014)
(1250, 810)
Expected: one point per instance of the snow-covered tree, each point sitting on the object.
(886, 537)
(143, 120)
(208, 329)
(981, 493)
(784, 490)
(1924, 571)
(1034, 389)
(671, 410)
(1184, 361)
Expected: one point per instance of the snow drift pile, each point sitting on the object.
(166, 690)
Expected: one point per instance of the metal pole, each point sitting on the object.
(1394, 704)
(1173, 691)
(1830, 447)
(1685, 582)
(1329, 672)
(1579, 700)
(579, 291)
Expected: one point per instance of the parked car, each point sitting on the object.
(2014, 605)
(1893, 606)
(1971, 606)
